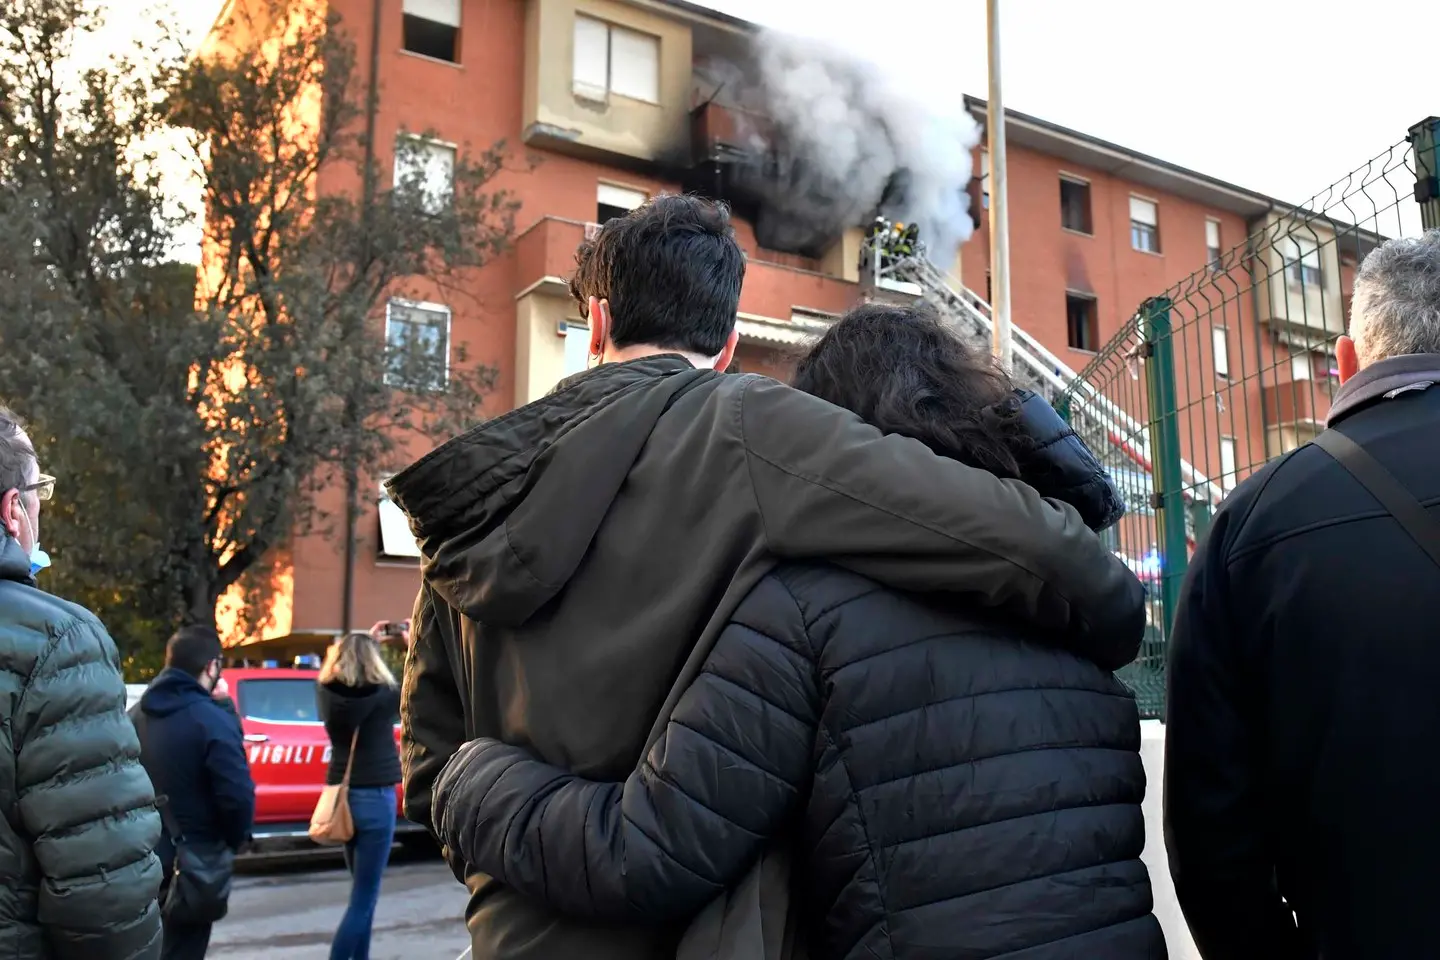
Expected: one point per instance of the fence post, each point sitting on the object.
(1425, 138)
(1164, 430)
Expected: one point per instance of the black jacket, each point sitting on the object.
(372, 711)
(1304, 703)
(971, 792)
(195, 755)
(575, 548)
(78, 873)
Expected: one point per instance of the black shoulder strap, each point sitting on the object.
(1423, 528)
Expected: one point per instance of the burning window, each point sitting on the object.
(1082, 322)
(432, 28)
(1144, 225)
(1075, 205)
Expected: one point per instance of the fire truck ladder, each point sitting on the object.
(1098, 421)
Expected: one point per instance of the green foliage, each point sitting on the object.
(190, 424)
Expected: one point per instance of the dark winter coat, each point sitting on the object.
(78, 873)
(196, 756)
(1304, 699)
(575, 548)
(372, 711)
(956, 786)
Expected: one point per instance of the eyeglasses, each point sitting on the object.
(44, 488)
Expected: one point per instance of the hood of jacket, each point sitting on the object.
(351, 705)
(1063, 468)
(14, 561)
(505, 513)
(171, 692)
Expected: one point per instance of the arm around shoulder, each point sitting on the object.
(831, 487)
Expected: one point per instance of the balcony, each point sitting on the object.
(569, 104)
(545, 258)
(1295, 412)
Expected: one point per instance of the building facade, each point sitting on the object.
(598, 101)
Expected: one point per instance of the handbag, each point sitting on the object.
(331, 823)
(199, 887)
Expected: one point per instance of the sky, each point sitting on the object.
(1271, 95)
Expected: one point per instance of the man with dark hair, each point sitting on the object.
(575, 549)
(79, 832)
(193, 749)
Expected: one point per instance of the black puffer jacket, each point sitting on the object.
(78, 873)
(972, 791)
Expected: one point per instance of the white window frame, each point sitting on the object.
(428, 10)
(1227, 470)
(984, 174)
(1138, 227)
(590, 88)
(1214, 252)
(393, 519)
(1303, 268)
(418, 305)
(432, 204)
(1220, 349)
(575, 329)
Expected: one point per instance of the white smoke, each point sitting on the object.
(855, 138)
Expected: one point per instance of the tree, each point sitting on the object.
(193, 424)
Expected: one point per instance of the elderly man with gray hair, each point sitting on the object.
(1302, 793)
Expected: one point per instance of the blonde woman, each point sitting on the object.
(359, 700)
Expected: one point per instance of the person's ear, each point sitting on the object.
(1346, 358)
(722, 362)
(9, 504)
(599, 325)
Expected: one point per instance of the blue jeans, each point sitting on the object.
(367, 853)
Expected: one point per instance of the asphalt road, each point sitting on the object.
(289, 907)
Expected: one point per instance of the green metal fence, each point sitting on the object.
(1231, 367)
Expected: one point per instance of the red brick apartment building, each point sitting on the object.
(600, 91)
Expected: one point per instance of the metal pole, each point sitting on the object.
(1002, 345)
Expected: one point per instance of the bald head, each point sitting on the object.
(1396, 307)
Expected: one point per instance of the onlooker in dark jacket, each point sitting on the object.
(359, 702)
(1301, 788)
(574, 549)
(194, 752)
(78, 873)
(970, 787)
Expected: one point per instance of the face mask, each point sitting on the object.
(39, 559)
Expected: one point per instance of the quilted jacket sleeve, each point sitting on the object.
(726, 776)
(86, 801)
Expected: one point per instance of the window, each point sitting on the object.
(611, 59)
(1212, 245)
(1227, 462)
(1144, 225)
(1302, 262)
(432, 28)
(1081, 322)
(425, 171)
(616, 202)
(1075, 205)
(277, 701)
(396, 540)
(577, 348)
(1220, 341)
(985, 179)
(417, 345)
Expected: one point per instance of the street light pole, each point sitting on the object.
(1001, 344)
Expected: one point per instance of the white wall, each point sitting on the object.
(1167, 910)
